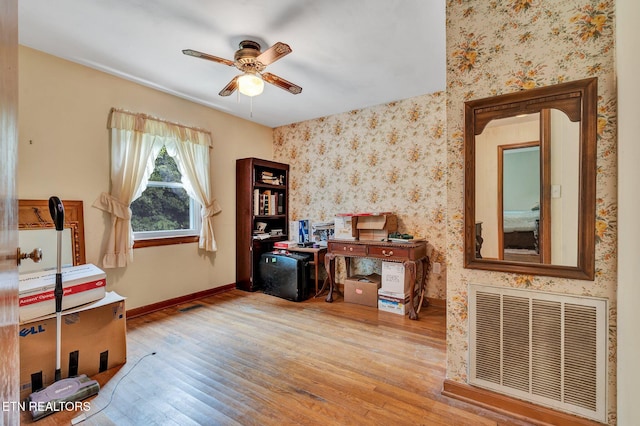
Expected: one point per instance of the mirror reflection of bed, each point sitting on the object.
(37, 230)
(520, 235)
(519, 201)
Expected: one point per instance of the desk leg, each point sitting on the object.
(324, 285)
(330, 266)
(315, 263)
(410, 267)
(426, 265)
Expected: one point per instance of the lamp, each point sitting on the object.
(250, 84)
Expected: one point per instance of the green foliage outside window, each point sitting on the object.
(164, 205)
(166, 169)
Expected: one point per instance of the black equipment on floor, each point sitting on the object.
(285, 275)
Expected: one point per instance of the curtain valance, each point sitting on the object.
(143, 123)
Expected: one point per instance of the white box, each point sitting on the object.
(396, 303)
(394, 278)
(81, 284)
(344, 228)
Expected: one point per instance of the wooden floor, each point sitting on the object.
(242, 358)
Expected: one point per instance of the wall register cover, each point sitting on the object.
(546, 348)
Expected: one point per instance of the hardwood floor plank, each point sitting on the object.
(241, 358)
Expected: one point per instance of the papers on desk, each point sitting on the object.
(402, 240)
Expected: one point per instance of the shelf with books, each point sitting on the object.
(267, 202)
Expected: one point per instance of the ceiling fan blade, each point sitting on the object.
(230, 87)
(281, 83)
(274, 53)
(206, 56)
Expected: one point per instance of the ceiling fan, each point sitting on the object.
(252, 63)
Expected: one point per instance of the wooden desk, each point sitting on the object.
(409, 254)
(318, 259)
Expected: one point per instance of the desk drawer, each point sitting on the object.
(348, 249)
(391, 253)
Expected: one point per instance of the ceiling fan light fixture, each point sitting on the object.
(250, 84)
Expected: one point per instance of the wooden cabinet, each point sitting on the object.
(262, 189)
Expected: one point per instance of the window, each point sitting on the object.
(165, 214)
(165, 209)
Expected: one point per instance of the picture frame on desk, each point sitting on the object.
(299, 230)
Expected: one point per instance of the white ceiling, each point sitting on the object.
(347, 54)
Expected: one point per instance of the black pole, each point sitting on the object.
(57, 215)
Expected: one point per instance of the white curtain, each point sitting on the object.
(132, 162)
(193, 163)
(136, 141)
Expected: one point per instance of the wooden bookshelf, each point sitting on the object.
(262, 189)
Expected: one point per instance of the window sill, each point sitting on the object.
(153, 242)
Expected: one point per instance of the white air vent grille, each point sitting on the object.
(546, 348)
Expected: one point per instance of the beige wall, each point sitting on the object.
(627, 64)
(64, 151)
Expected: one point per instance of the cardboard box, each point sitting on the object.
(376, 227)
(396, 303)
(362, 289)
(82, 284)
(93, 340)
(394, 278)
(344, 228)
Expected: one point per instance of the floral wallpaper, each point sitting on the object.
(502, 46)
(389, 157)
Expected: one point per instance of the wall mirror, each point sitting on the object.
(530, 168)
(37, 230)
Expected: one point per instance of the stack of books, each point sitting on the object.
(268, 177)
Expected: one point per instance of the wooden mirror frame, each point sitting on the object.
(578, 99)
(34, 214)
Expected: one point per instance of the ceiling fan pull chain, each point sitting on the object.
(251, 107)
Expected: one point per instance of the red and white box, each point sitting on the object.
(285, 244)
(81, 284)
